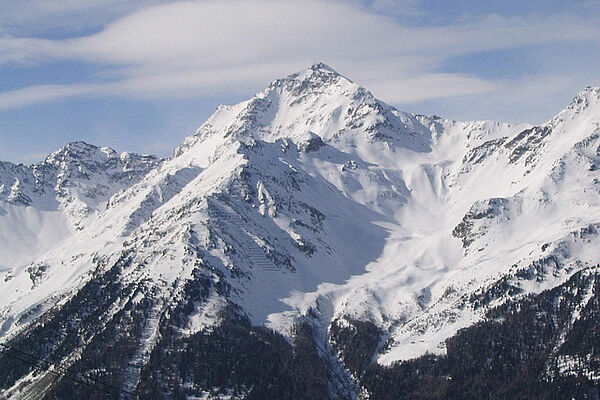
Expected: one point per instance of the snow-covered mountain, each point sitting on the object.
(311, 205)
(43, 204)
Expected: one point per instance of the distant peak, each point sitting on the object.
(80, 150)
(79, 145)
(74, 148)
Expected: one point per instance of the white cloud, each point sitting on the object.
(36, 17)
(427, 87)
(41, 93)
(197, 48)
(530, 98)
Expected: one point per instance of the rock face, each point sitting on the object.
(312, 242)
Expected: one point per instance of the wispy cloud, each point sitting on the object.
(35, 17)
(427, 87)
(200, 48)
(42, 93)
(530, 98)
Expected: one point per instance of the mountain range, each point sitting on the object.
(312, 242)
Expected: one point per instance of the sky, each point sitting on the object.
(143, 74)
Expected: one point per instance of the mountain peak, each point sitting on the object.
(315, 79)
(78, 146)
(318, 100)
(591, 89)
(322, 66)
(588, 93)
(81, 151)
(585, 101)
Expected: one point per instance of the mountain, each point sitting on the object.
(43, 204)
(312, 242)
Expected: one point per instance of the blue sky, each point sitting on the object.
(141, 75)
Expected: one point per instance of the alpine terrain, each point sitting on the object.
(310, 243)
